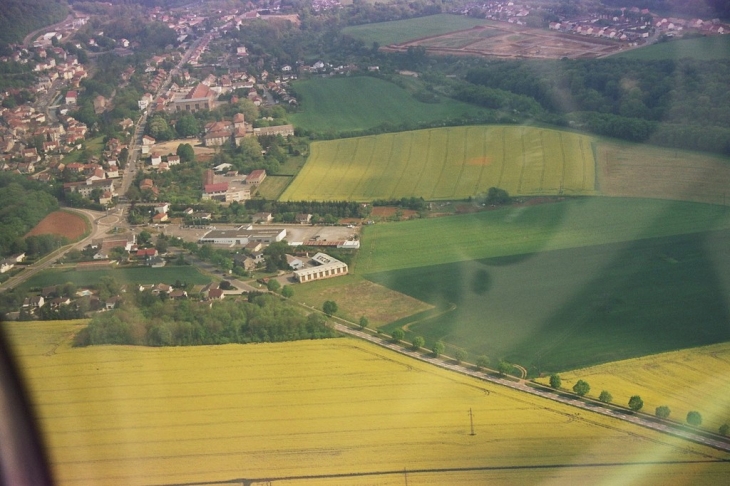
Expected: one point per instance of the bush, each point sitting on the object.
(663, 412)
(482, 361)
(438, 348)
(724, 430)
(397, 335)
(636, 403)
(581, 388)
(694, 418)
(418, 343)
(555, 381)
(460, 355)
(605, 397)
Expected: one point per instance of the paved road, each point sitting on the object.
(522, 386)
(100, 223)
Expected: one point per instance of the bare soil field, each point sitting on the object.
(384, 212)
(61, 223)
(170, 147)
(654, 172)
(505, 40)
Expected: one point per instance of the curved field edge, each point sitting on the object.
(690, 379)
(448, 163)
(362, 102)
(66, 223)
(130, 415)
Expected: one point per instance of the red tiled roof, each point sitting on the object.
(219, 187)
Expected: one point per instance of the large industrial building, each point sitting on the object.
(243, 235)
(325, 267)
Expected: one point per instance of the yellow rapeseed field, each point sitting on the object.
(311, 410)
(689, 379)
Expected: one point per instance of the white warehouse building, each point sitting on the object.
(243, 235)
(326, 267)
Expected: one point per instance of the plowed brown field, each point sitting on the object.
(61, 223)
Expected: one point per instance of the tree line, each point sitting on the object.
(23, 203)
(148, 320)
(678, 103)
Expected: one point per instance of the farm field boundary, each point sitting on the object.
(211, 413)
(447, 163)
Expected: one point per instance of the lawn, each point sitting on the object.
(690, 379)
(131, 415)
(356, 297)
(447, 163)
(362, 102)
(701, 49)
(561, 285)
(137, 275)
(273, 186)
(93, 146)
(399, 31)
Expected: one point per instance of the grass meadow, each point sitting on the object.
(136, 275)
(399, 31)
(182, 415)
(563, 285)
(447, 163)
(690, 379)
(716, 47)
(356, 297)
(362, 102)
(273, 186)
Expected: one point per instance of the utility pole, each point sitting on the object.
(471, 419)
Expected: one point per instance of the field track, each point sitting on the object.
(447, 163)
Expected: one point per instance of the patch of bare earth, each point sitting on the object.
(62, 223)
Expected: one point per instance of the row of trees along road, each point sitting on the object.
(581, 388)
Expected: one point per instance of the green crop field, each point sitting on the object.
(273, 186)
(399, 31)
(561, 285)
(138, 275)
(447, 163)
(361, 102)
(702, 49)
(341, 411)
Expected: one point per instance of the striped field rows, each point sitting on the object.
(447, 163)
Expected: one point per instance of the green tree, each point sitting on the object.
(161, 246)
(581, 388)
(605, 397)
(287, 291)
(555, 381)
(273, 285)
(482, 361)
(504, 367)
(724, 430)
(438, 348)
(186, 152)
(187, 126)
(460, 355)
(144, 237)
(329, 307)
(418, 343)
(663, 411)
(694, 418)
(636, 403)
(397, 335)
(364, 322)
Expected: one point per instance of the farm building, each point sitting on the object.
(325, 267)
(256, 177)
(243, 235)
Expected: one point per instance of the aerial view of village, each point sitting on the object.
(319, 242)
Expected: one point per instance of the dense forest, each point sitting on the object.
(20, 17)
(682, 104)
(23, 203)
(150, 320)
